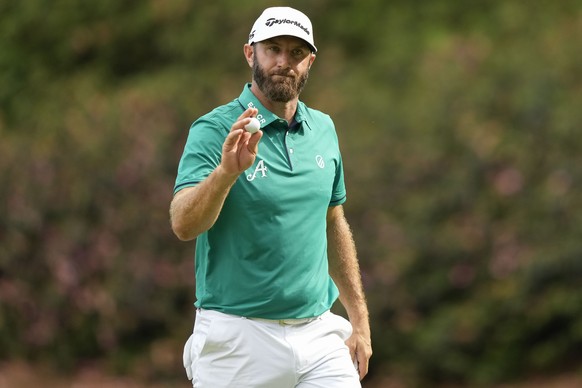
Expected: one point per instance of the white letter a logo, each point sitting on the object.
(260, 168)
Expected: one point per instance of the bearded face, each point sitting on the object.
(279, 85)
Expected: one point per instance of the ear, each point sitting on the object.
(311, 59)
(249, 51)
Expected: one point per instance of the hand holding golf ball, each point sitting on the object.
(253, 126)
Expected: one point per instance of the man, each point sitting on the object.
(263, 216)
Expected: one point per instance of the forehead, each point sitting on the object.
(286, 40)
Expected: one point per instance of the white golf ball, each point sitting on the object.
(253, 126)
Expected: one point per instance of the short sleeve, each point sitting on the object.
(202, 153)
(338, 194)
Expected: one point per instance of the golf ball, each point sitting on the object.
(253, 126)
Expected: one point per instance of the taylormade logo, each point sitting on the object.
(270, 22)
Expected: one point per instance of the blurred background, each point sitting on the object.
(460, 129)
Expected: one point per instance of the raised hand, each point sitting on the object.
(240, 147)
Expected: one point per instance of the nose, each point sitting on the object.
(283, 59)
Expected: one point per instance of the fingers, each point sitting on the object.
(239, 125)
(233, 139)
(360, 352)
(240, 147)
(362, 365)
(253, 143)
(352, 348)
(244, 118)
(250, 112)
(239, 136)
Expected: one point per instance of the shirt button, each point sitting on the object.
(290, 150)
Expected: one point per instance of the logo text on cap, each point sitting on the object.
(272, 21)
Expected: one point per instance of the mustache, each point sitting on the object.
(285, 73)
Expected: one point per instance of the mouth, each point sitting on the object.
(283, 75)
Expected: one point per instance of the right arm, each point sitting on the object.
(195, 209)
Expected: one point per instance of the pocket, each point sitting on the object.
(195, 344)
(187, 357)
(224, 336)
(343, 326)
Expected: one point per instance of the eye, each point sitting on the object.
(299, 53)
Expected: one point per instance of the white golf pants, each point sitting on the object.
(228, 351)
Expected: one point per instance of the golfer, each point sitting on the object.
(273, 248)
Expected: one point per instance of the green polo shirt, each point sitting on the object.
(266, 255)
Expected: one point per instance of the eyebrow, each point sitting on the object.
(301, 43)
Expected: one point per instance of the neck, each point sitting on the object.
(285, 110)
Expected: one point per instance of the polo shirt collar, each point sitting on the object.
(248, 100)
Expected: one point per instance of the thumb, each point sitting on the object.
(232, 139)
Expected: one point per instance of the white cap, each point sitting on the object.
(278, 21)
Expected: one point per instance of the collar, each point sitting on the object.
(248, 100)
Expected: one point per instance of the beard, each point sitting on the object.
(288, 88)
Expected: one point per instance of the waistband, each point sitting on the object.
(286, 322)
(282, 322)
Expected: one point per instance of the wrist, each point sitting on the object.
(225, 177)
(360, 323)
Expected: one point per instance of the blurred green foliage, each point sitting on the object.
(459, 126)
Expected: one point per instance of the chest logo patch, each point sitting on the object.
(261, 168)
(320, 162)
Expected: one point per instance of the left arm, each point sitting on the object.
(345, 272)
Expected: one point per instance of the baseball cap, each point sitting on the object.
(277, 21)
